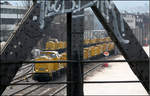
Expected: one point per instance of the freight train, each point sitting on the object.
(46, 71)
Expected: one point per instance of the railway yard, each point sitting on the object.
(112, 72)
(25, 76)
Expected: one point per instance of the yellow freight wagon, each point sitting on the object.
(92, 41)
(65, 44)
(60, 45)
(92, 51)
(100, 46)
(109, 39)
(86, 53)
(111, 46)
(64, 57)
(97, 40)
(104, 47)
(97, 49)
(101, 39)
(87, 41)
(89, 52)
(50, 45)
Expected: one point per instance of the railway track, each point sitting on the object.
(87, 69)
(62, 88)
(24, 76)
(25, 66)
(52, 89)
(23, 71)
(27, 90)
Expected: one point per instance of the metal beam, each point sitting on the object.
(69, 27)
(19, 45)
(75, 52)
(127, 44)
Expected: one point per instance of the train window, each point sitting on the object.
(42, 54)
(53, 55)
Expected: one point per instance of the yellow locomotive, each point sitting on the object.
(47, 71)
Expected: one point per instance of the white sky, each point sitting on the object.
(133, 6)
(130, 6)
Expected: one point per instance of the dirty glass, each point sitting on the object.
(99, 32)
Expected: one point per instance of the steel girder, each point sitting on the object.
(19, 45)
(129, 46)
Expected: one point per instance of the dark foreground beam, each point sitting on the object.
(75, 52)
(123, 37)
(19, 45)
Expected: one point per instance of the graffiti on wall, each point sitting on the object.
(107, 8)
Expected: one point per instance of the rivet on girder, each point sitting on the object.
(15, 46)
(11, 53)
(19, 43)
(43, 35)
(123, 35)
(34, 18)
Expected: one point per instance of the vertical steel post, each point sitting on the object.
(75, 52)
(69, 22)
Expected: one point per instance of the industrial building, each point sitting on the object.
(9, 17)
